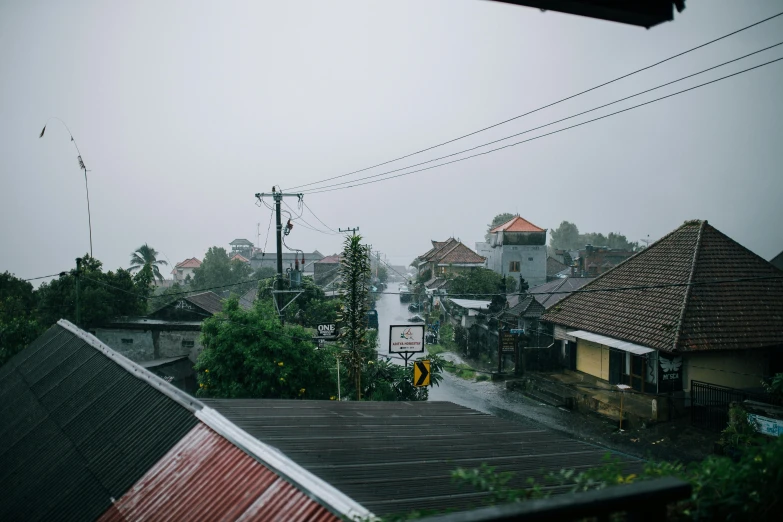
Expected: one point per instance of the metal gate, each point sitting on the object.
(710, 404)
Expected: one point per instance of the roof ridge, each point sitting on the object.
(688, 288)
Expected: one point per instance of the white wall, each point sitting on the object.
(532, 262)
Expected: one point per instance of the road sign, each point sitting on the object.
(508, 342)
(406, 338)
(421, 373)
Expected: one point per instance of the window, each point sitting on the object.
(529, 258)
(126, 341)
(513, 266)
(188, 344)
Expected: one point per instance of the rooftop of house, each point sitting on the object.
(189, 263)
(551, 293)
(240, 257)
(90, 435)
(451, 251)
(777, 261)
(523, 306)
(517, 224)
(711, 293)
(382, 453)
(554, 267)
(333, 259)
(241, 242)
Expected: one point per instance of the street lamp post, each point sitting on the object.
(81, 166)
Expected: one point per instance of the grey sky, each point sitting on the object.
(184, 110)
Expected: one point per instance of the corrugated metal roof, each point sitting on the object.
(471, 304)
(77, 429)
(206, 477)
(208, 301)
(394, 457)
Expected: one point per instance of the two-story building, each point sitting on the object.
(450, 257)
(185, 270)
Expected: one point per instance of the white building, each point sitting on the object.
(517, 248)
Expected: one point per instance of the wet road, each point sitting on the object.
(492, 397)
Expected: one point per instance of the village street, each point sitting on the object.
(670, 441)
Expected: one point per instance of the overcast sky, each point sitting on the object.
(184, 110)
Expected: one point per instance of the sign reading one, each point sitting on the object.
(327, 330)
(421, 373)
(406, 338)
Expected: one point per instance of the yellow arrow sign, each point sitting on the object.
(421, 373)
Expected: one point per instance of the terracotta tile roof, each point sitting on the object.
(240, 257)
(189, 263)
(333, 259)
(517, 224)
(737, 315)
(437, 248)
(459, 254)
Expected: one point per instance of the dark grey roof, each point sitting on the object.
(527, 307)
(394, 457)
(210, 302)
(777, 261)
(78, 429)
(567, 284)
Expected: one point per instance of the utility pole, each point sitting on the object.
(278, 199)
(78, 291)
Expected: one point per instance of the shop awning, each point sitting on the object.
(625, 346)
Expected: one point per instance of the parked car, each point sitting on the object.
(414, 307)
(416, 319)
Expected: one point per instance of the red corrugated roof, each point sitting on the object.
(189, 263)
(206, 477)
(517, 224)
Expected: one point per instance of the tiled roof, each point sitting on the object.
(553, 266)
(208, 301)
(189, 263)
(527, 306)
(458, 254)
(333, 259)
(566, 284)
(243, 242)
(240, 257)
(517, 224)
(438, 247)
(736, 315)
(381, 453)
(88, 434)
(777, 261)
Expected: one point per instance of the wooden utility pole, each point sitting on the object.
(278, 199)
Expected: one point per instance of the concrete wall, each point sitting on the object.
(592, 359)
(734, 369)
(532, 262)
(170, 344)
(139, 350)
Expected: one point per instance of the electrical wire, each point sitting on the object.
(316, 217)
(313, 191)
(308, 225)
(60, 274)
(548, 105)
(331, 188)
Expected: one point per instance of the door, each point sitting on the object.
(637, 373)
(616, 364)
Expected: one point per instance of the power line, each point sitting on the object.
(316, 189)
(308, 225)
(545, 106)
(319, 219)
(328, 189)
(44, 277)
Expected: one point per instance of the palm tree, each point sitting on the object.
(145, 255)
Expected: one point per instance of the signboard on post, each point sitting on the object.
(508, 342)
(327, 331)
(421, 373)
(406, 338)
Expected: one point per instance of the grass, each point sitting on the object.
(482, 377)
(436, 349)
(462, 371)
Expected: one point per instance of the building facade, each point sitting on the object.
(517, 249)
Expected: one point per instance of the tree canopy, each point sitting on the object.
(218, 270)
(103, 295)
(248, 353)
(19, 324)
(567, 237)
(498, 220)
(476, 282)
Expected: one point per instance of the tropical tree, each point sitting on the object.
(146, 256)
(477, 283)
(498, 220)
(218, 270)
(354, 294)
(248, 353)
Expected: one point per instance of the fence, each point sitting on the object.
(710, 403)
